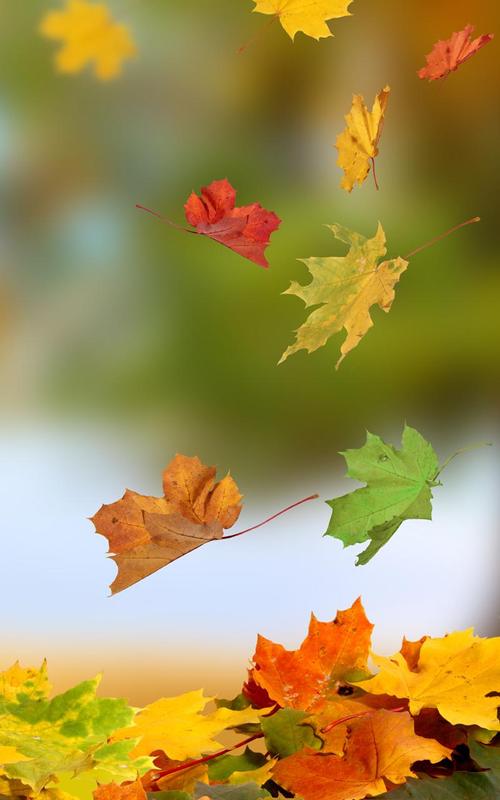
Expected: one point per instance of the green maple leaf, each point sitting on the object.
(64, 736)
(399, 486)
(286, 733)
(222, 768)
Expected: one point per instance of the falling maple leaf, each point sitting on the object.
(345, 288)
(177, 726)
(379, 751)
(447, 55)
(89, 36)
(147, 533)
(304, 16)
(298, 678)
(358, 143)
(244, 229)
(399, 487)
(458, 674)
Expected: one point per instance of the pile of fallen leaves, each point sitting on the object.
(328, 721)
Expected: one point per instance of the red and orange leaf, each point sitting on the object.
(147, 533)
(299, 678)
(246, 229)
(378, 753)
(447, 55)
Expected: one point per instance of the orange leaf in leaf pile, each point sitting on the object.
(331, 650)
(114, 791)
(246, 229)
(147, 533)
(447, 55)
(378, 753)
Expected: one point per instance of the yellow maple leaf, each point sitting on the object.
(177, 726)
(345, 288)
(358, 143)
(307, 16)
(89, 36)
(458, 674)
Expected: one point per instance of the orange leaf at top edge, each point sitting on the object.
(299, 678)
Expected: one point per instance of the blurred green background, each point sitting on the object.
(110, 319)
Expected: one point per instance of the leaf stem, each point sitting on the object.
(332, 725)
(441, 236)
(269, 519)
(374, 172)
(260, 31)
(459, 452)
(166, 220)
(205, 759)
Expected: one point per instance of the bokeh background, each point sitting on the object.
(124, 341)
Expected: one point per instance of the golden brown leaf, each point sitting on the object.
(358, 143)
(147, 533)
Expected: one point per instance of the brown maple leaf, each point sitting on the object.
(147, 533)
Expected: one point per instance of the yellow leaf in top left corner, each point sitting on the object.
(89, 36)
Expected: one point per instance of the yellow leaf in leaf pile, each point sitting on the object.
(458, 674)
(89, 36)
(345, 288)
(358, 143)
(147, 533)
(177, 726)
(308, 16)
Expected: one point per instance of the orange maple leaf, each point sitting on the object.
(447, 55)
(299, 678)
(379, 751)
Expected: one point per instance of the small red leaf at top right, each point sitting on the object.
(447, 55)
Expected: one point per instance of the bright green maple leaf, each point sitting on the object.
(62, 736)
(399, 486)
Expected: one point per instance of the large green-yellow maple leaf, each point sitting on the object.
(458, 674)
(307, 16)
(66, 734)
(345, 288)
(177, 726)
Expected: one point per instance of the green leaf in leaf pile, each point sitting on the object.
(286, 733)
(246, 791)
(399, 486)
(65, 734)
(222, 768)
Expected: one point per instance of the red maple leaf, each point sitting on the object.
(447, 55)
(246, 229)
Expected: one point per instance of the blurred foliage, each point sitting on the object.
(104, 311)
